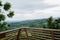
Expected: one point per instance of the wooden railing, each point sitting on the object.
(30, 34)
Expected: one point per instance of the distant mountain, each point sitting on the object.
(28, 23)
(37, 23)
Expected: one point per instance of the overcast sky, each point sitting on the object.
(34, 9)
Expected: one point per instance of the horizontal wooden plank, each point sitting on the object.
(32, 33)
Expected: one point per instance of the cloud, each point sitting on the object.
(35, 9)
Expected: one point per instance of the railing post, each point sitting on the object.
(18, 36)
(2, 35)
(52, 32)
(26, 33)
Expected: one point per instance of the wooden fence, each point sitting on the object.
(30, 34)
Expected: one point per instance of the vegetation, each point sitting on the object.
(38, 23)
(50, 23)
(53, 24)
(4, 8)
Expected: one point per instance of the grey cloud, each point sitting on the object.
(21, 6)
(36, 7)
(30, 4)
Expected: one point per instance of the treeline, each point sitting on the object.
(39, 23)
(50, 23)
(29, 23)
(53, 23)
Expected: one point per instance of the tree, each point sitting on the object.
(4, 8)
(57, 22)
(53, 24)
(49, 22)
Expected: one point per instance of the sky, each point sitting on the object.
(34, 9)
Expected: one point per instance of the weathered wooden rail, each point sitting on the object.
(30, 34)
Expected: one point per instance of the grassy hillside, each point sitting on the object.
(28, 23)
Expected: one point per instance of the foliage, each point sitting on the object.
(38, 23)
(50, 23)
(6, 7)
(2, 17)
(11, 14)
(53, 24)
(0, 3)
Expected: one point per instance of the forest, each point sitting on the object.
(50, 23)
